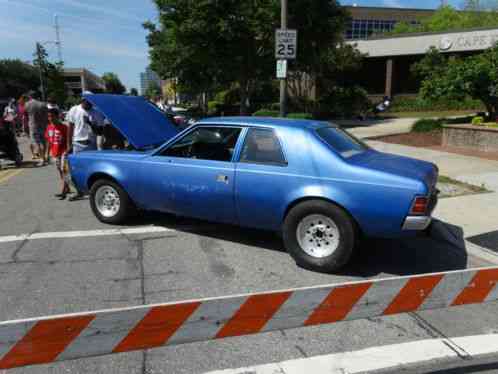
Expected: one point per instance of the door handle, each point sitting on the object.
(222, 178)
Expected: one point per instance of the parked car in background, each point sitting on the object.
(310, 180)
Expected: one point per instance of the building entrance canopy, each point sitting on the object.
(417, 44)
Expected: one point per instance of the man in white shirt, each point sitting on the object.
(84, 124)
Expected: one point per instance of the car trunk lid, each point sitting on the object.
(398, 165)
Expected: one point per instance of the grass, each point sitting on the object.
(430, 114)
(471, 187)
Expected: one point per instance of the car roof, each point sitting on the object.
(266, 121)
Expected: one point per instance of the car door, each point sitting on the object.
(262, 179)
(200, 173)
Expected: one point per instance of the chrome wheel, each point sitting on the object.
(107, 201)
(318, 235)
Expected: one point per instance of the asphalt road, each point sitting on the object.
(199, 259)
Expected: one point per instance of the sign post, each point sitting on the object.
(283, 82)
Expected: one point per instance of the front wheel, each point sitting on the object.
(110, 203)
(319, 235)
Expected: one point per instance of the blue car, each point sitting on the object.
(317, 185)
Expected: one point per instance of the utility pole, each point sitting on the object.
(58, 42)
(283, 82)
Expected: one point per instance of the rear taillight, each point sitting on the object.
(419, 206)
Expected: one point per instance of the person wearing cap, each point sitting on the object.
(37, 121)
(84, 124)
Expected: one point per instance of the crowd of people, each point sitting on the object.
(53, 134)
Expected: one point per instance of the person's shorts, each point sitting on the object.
(36, 135)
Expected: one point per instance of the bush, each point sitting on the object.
(299, 116)
(342, 102)
(266, 113)
(416, 104)
(427, 124)
(477, 121)
(229, 97)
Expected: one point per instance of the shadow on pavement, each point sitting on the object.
(487, 240)
(491, 367)
(415, 255)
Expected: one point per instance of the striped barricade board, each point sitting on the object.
(64, 337)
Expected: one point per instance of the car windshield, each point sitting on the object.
(341, 141)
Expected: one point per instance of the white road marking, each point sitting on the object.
(377, 358)
(80, 234)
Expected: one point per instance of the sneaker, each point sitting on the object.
(40, 163)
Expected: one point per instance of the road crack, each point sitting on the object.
(139, 245)
(434, 332)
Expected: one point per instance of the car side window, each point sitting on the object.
(206, 143)
(262, 146)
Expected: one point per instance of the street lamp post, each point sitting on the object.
(283, 82)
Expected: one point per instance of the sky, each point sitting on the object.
(102, 35)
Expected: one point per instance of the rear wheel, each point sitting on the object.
(109, 202)
(319, 235)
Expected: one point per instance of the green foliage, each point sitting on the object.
(53, 80)
(323, 59)
(343, 102)
(230, 96)
(300, 116)
(274, 113)
(153, 91)
(213, 106)
(17, 78)
(477, 121)
(418, 104)
(457, 78)
(113, 84)
(208, 45)
(427, 125)
(71, 101)
(133, 91)
(266, 113)
(447, 18)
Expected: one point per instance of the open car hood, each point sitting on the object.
(138, 120)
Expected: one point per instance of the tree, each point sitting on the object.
(209, 44)
(320, 24)
(133, 91)
(113, 84)
(51, 74)
(153, 91)
(447, 18)
(17, 78)
(458, 77)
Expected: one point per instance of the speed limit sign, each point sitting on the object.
(285, 44)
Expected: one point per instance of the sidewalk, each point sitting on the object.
(475, 214)
(381, 127)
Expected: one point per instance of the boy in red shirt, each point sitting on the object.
(56, 136)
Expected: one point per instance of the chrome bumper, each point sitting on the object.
(417, 223)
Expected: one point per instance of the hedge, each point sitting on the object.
(416, 104)
(266, 113)
(427, 124)
(274, 113)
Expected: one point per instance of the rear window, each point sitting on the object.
(341, 141)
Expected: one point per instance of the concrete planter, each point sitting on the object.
(479, 138)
